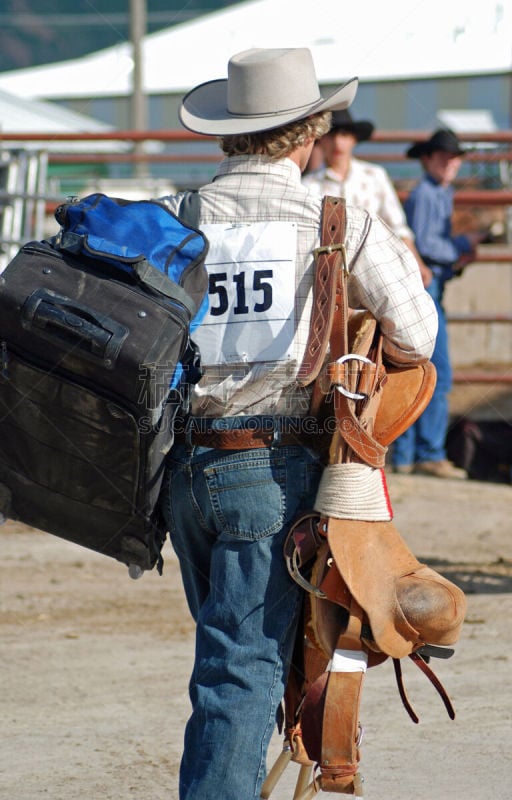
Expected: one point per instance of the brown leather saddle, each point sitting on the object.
(367, 597)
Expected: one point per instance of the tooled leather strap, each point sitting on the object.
(329, 261)
(356, 437)
(329, 328)
(368, 380)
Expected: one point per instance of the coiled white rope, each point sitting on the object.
(354, 491)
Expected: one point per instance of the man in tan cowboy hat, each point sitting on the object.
(361, 183)
(241, 470)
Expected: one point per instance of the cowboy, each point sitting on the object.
(429, 207)
(361, 183)
(246, 463)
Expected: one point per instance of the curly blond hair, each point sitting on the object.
(277, 143)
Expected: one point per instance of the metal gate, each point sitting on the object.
(23, 175)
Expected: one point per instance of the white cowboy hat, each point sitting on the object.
(265, 88)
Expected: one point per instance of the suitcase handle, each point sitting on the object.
(74, 325)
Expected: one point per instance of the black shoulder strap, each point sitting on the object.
(188, 210)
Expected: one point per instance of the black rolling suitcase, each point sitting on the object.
(95, 357)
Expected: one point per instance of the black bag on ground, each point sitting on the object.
(96, 358)
(482, 448)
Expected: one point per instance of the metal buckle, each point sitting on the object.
(352, 357)
(360, 734)
(327, 249)
(276, 437)
(293, 564)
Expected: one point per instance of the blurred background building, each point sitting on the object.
(412, 59)
(34, 32)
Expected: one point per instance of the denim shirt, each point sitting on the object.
(429, 210)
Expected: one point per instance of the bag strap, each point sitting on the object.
(146, 273)
(158, 281)
(188, 209)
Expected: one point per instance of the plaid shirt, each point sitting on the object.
(384, 279)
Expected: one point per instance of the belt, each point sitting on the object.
(240, 439)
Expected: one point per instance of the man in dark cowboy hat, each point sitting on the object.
(429, 209)
(241, 471)
(443, 140)
(359, 182)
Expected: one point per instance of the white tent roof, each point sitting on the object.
(375, 41)
(18, 115)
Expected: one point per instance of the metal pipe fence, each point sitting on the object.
(188, 151)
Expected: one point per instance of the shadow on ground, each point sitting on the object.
(492, 578)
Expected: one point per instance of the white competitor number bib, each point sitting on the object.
(251, 272)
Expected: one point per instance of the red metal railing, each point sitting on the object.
(500, 152)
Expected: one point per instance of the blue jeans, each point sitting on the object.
(425, 440)
(228, 513)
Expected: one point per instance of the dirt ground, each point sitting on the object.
(94, 667)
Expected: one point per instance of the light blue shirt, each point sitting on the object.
(429, 210)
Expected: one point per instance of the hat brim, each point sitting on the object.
(204, 110)
(361, 130)
(425, 148)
